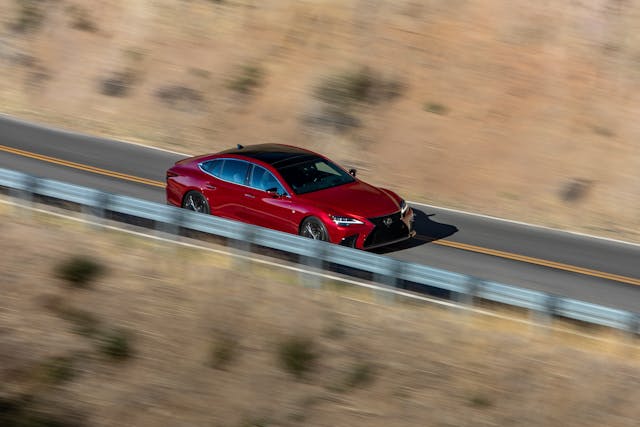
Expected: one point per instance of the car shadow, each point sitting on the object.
(426, 230)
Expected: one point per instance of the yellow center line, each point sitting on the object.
(80, 166)
(538, 261)
(463, 246)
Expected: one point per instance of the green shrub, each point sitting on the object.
(58, 369)
(181, 98)
(31, 15)
(480, 401)
(116, 344)
(360, 86)
(224, 351)
(119, 83)
(79, 270)
(24, 411)
(335, 330)
(297, 355)
(435, 108)
(248, 78)
(80, 19)
(84, 323)
(361, 374)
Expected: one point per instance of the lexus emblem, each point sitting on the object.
(387, 222)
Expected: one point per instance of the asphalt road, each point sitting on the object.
(591, 269)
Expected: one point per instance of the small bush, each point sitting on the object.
(576, 189)
(360, 86)
(361, 374)
(79, 271)
(80, 19)
(118, 84)
(603, 131)
(84, 323)
(335, 330)
(435, 108)
(116, 344)
(58, 369)
(224, 351)
(297, 355)
(480, 401)
(248, 79)
(31, 15)
(23, 411)
(181, 98)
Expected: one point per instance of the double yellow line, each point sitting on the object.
(80, 166)
(538, 261)
(457, 245)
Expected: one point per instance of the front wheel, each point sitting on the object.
(195, 201)
(313, 228)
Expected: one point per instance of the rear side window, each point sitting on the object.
(264, 180)
(235, 171)
(213, 167)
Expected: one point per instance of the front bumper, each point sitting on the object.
(379, 231)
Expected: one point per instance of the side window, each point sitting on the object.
(264, 180)
(235, 171)
(213, 167)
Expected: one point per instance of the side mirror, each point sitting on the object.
(273, 192)
(352, 172)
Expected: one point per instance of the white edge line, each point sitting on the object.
(526, 224)
(151, 147)
(51, 128)
(332, 277)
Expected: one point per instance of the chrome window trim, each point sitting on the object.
(250, 166)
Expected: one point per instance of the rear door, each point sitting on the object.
(226, 194)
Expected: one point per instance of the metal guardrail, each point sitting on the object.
(391, 272)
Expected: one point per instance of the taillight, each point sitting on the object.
(171, 175)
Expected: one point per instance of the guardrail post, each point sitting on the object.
(316, 262)
(633, 326)
(243, 244)
(171, 225)
(101, 206)
(389, 279)
(550, 308)
(468, 296)
(31, 186)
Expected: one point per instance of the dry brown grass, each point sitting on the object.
(375, 364)
(538, 95)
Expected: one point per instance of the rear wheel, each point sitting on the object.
(195, 201)
(313, 228)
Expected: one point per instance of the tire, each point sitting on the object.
(195, 201)
(313, 228)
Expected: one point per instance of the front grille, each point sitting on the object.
(384, 233)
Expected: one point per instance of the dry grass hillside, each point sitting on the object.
(102, 328)
(521, 109)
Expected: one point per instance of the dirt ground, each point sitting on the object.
(203, 342)
(525, 110)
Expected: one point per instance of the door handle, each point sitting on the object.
(251, 196)
(210, 186)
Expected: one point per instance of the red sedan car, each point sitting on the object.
(293, 190)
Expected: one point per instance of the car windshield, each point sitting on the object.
(313, 175)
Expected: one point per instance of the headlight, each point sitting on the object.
(403, 207)
(345, 221)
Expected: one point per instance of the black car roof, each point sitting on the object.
(277, 155)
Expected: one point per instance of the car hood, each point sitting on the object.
(357, 198)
